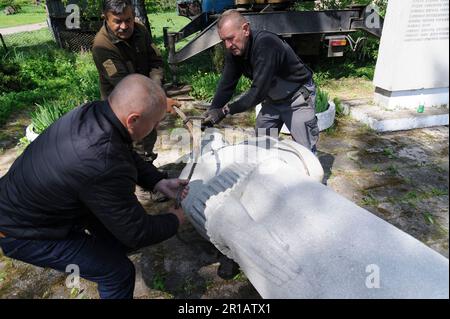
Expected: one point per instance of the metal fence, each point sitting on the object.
(80, 39)
(75, 40)
(11, 41)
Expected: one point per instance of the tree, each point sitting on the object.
(141, 13)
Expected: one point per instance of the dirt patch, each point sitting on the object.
(401, 177)
(349, 88)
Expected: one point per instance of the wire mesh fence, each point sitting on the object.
(13, 41)
(72, 40)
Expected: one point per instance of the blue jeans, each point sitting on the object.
(101, 258)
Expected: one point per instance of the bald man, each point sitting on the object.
(280, 81)
(68, 202)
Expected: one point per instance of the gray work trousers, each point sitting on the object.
(297, 113)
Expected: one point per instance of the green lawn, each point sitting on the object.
(33, 14)
(28, 15)
(166, 19)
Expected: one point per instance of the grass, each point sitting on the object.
(429, 219)
(389, 152)
(29, 14)
(158, 282)
(204, 85)
(322, 99)
(49, 112)
(61, 79)
(376, 169)
(414, 197)
(348, 88)
(24, 40)
(369, 200)
(332, 130)
(165, 19)
(393, 170)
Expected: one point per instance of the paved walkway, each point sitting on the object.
(23, 28)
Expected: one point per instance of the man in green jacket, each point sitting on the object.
(123, 47)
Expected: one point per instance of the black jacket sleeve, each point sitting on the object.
(110, 197)
(148, 175)
(227, 84)
(266, 60)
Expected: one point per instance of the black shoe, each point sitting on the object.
(228, 269)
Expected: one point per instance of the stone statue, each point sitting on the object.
(262, 204)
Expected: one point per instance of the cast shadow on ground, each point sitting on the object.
(326, 160)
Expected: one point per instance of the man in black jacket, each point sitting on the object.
(69, 199)
(280, 80)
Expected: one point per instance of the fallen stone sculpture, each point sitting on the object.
(262, 204)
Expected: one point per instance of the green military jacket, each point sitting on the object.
(116, 58)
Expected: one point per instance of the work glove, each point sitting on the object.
(170, 104)
(213, 117)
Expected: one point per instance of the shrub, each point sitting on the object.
(322, 98)
(48, 112)
(204, 85)
(61, 80)
(15, 5)
(341, 4)
(6, 3)
(12, 80)
(154, 6)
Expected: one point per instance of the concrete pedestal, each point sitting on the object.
(413, 60)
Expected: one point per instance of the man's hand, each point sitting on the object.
(179, 213)
(213, 116)
(171, 188)
(170, 104)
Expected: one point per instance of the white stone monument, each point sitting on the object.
(262, 204)
(413, 61)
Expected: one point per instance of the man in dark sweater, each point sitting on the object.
(69, 199)
(280, 81)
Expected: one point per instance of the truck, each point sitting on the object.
(305, 30)
(74, 24)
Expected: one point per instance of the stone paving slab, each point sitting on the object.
(385, 120)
